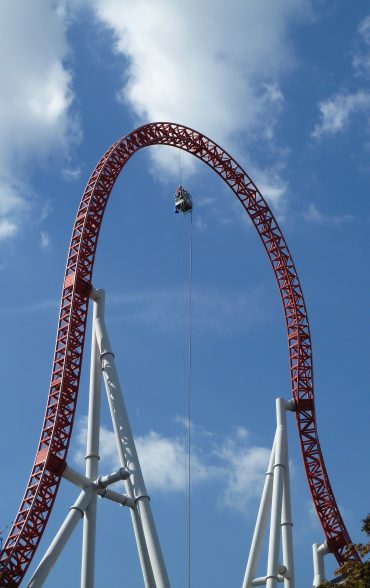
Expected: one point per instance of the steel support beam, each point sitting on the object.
(57, 545)
(92, 451)
(277, 494)
(151, 558)
(275, 498)
(286, 521)
(260, 527)
(319, 551)
(93, 485)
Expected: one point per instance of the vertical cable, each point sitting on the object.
(185, 378)
(189, 404)
(179, 150)
(187, 381)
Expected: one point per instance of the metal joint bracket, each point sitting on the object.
(128, 502)
(291, 405)
(324, 548)
(283, 571)
(141, 496)
(104, 481)
(89, 455)
(102, 355)
(280, 465)
(263, 580)
(121, 499)
(79, 509)
(96, 294)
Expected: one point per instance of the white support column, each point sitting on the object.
(129, 460)
(286, 517)
(57, 545)
(92, 450)
(319, 551)
(262, 581)
(146, 568)
(151, 559)
(277, 495)
(260, 527)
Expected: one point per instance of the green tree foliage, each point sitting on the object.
(357, 573)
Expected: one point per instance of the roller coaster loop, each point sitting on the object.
(36, 506)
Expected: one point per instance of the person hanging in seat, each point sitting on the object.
(183, 201)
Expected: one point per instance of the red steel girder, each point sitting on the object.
(56, 431)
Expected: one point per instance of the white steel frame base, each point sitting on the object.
(275, 498)
(275, 495)
(318, 552)
(92, 486)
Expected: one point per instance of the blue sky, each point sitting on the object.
(284, 87)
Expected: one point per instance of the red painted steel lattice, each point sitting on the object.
(43, 484)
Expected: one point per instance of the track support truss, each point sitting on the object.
(93, 485)
(275, 499)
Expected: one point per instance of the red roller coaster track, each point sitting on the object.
(50, 460)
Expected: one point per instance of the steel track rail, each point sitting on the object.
(51, 454)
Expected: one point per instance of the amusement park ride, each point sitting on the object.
(50, 464)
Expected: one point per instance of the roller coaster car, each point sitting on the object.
(183, 201)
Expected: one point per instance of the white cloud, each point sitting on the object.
(162, 458)
(314, 215)
(236, 466)
(361, 59)
(35, 99)
(361, 65)
(163, 462)
(222, 311)
(40, 306)
(12, 203)
(200, 224)
(212, 65)
(312, 518)
(45, 240)
(364, 30)
(7, 228)
(45, 211)
(245, 473)
(337, 110)
(273, 187)
(72, 173)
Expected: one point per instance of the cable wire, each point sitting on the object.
(187, 373)
(189, 398)
(179, 150)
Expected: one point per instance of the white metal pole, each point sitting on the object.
(98, 296)
(287, 533)
(56, 547)
(261, 522)
(277, 495)
(318, 552)
(128, 455)
(286, 522)
(262, 581)
(146, 567)
(101, 490)
(92, 451)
